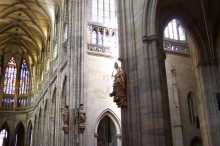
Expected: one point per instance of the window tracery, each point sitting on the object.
(24, 78)
(175, 39)
(103, 28)
(16, 85)
(10, 77)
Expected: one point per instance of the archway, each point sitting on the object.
(106, 133)
(19, 135)
(4, 135)
(180, 72)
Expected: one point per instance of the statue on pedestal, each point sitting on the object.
(119, 87)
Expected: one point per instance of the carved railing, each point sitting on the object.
(177, 47)
(99, 50)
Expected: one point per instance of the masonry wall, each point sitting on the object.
(181, 81)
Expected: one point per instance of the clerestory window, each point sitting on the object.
(24, 78)
(10, 77)
(175, 38)
(103, 28)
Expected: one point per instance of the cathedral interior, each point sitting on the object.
(109, 73)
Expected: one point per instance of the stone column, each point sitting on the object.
(208, 82)
(146, 120)
(175, 115)
(76, 53)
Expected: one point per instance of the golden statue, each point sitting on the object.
(119, 87)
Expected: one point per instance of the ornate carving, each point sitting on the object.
(119, 87)
(81, 119)
(66, 120)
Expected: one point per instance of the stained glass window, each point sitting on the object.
(10, 77)
(24, 78)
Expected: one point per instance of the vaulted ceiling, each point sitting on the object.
(25, 27)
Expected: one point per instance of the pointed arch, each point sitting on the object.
(107, 129)
(114, 118)
(19, 135)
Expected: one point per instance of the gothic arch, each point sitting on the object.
(114, 118)
(155, 20)
(115, 121)
(19, 136)
(4, 125)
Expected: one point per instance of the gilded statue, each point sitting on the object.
(119, 87)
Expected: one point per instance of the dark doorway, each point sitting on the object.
(107, 135)
(196, 142)
(19, 135)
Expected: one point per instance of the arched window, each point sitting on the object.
(10, 77)
(175, 31)
(175, 40)
(24, 78)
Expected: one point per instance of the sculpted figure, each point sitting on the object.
(66, 120)
(119, 87)
(82, 119)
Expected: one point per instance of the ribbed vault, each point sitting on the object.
(25, 28)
